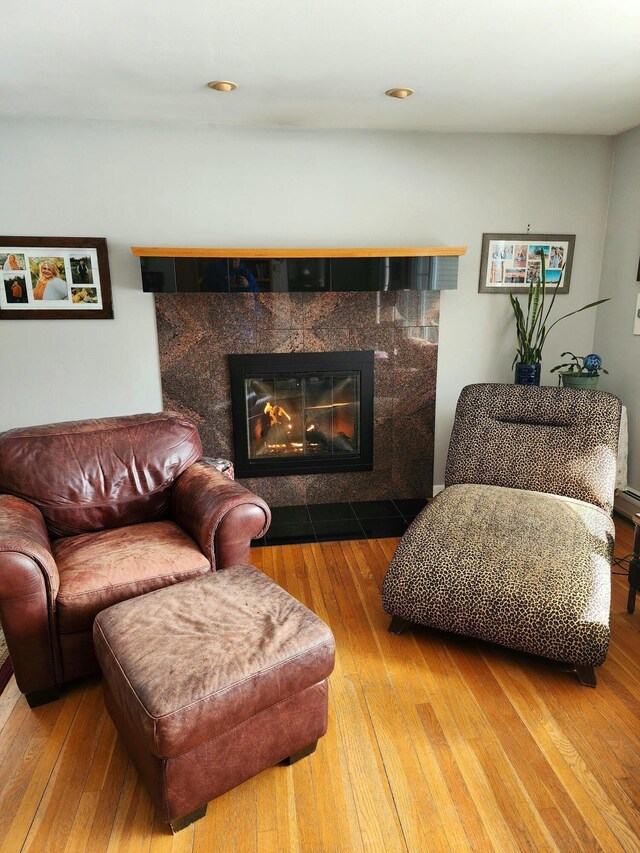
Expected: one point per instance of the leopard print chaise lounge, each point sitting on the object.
(517, 549)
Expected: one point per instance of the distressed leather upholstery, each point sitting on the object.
(213, 681)
(517, 549)
(88, 518)
(98, 474)
(100, 569)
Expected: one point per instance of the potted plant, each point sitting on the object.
(581, 371)
(532, 328)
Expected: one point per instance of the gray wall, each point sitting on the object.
(614, 338)
(169, 184)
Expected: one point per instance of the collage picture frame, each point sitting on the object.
(512, 263)
(55, 278)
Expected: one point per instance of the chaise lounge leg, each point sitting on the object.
(301, 753)
(42, 697)
(184, 822)
(397, 625)
(586, 675)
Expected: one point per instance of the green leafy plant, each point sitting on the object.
(581, 365)
(532, 329)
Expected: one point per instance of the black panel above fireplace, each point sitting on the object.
(302, 413)
(297, 275)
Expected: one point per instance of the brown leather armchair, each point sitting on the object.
(95, 512)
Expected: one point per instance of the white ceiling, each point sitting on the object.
(552, 66)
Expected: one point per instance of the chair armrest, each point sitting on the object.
(23, 531)
(29, 585)
(221, 515)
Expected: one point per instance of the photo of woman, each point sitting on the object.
(50, 283)
(520, 259)
(15, 289)
(556, 257)
(11, 262)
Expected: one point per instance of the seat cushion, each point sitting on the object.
(528, 570)
(188, 663)
(100, 569)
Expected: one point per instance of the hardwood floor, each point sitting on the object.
(435, 742)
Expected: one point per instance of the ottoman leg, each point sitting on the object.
(586, 675)
(183, 822)
(301, 753)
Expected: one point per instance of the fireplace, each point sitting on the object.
(197, 331)
(302, 413)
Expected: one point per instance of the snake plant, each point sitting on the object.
(532, 329)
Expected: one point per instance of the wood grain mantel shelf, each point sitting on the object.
(406, 252)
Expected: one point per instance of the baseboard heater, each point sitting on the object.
(627, 503)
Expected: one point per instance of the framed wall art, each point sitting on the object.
(54, 278)
(513, 262)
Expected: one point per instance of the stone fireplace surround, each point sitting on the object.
(197, 331)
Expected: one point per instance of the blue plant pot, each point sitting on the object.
(527, 374)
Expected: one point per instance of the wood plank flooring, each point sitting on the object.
(435, 742)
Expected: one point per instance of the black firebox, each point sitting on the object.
(302, 413)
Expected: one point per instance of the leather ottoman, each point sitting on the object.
(211, 681)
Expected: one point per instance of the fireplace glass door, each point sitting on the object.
(314, 414)
(290, 419)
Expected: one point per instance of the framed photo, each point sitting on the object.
(54, 278)
(512, 262)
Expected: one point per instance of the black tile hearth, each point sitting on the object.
(338, 528)
(375, 509)
(410, 507)
(330, 512)
(337, 521)
(289, 514)
(381, 528)
(288, 534)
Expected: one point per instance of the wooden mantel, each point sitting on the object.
(406, 252)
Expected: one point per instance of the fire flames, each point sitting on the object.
(277, 436)
(275, 413)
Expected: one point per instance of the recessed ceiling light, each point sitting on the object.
(222, 85)
(399, 93)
